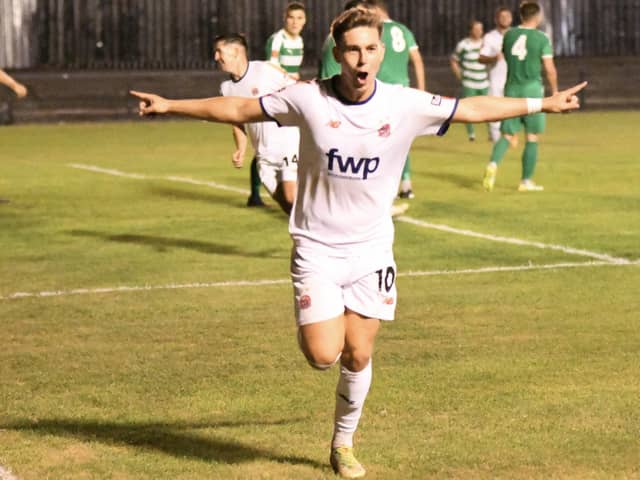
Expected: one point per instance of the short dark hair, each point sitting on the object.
(381, 4)
(355, 4)
(528, 10)
(295, 6)
(233, 38)
(473, 21)
(351, 19)
(501, 9)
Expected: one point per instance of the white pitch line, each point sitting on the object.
(514, 241)
(171, 178)
(5, 474)
(413, 221)
(256, 283)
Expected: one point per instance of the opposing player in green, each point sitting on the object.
(468, 70)
(400, 48)
(526, 50)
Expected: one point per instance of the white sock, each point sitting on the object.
(405, 185)
(351, 393)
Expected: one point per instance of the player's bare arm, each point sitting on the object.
(487, 60)
(551, 73)
(490, 109)
(418, 68)
(240, 139)
(234, 110)
(19, 89)
(455, 68)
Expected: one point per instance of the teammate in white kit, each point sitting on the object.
(355, 133)
(491, 55)
(276, 149)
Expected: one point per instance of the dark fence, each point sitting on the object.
(177, 34)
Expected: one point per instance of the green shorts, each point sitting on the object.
(532, 123)
(474, 92)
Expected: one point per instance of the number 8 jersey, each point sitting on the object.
(398, 42)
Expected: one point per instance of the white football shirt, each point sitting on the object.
(262, 78)
(492, 46)
(351, 159)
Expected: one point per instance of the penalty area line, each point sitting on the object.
(170, 178)
(405, 219)
(514, 241)
(258, 283)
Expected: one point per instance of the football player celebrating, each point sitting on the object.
(355, 133)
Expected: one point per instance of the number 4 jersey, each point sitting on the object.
(524, 49)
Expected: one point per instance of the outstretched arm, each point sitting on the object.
(19, 89)
(234, 110)
(491, 109)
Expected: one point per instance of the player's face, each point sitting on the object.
(226, 56)
(504, 19)
(294, 22)
(476, 31)
(360, 54)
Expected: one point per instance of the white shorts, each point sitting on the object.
(323, 286)
(277, 169)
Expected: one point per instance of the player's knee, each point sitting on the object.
(321, 362)
(356, 359)
(319, 358)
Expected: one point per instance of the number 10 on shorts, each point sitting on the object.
(386, 278)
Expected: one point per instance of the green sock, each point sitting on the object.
(471, 133)
(499, 149)
(255, 179)
(529, 160)
(406, 171)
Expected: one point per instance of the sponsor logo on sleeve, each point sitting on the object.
(436, 100)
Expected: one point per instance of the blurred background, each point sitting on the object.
(80, 57)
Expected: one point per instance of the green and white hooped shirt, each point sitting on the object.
(474, 73)
(291, 51)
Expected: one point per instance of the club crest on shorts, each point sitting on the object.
(388, 300)
(304, 302)
(334, 123)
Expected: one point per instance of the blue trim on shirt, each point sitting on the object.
(264, 110)
(346, 101)
(445, 126)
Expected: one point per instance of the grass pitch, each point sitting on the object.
(510, 370)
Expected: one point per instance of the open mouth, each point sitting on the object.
(362, 75)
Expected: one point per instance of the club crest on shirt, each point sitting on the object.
(255, 92)
(384, 130)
